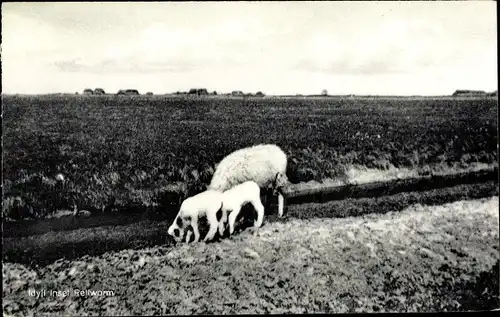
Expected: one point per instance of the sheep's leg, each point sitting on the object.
(260, 212)
(232, 219)
(281, 203)
(268, 198)
(194, 224)
(212, 219)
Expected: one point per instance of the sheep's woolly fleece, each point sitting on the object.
(259, 163)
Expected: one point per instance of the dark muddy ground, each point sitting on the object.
(421, 259)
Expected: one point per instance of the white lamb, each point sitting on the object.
(238, 196)
(216, 206)
(265, 164)
(207, 203)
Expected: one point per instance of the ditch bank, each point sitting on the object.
(296, 194)
(43, 249)
(420, 259)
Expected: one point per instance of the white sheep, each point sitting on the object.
(265, 164)
(207, 203)
(238, 196)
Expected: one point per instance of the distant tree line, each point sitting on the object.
(239, 93)
(464, 92)
(192, 91)
(100, 91)
(204, 92)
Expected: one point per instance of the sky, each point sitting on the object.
(379, 47)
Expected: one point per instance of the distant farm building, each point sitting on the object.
(237, 93)
(469, 93)
(99, 91)
(198, 91)
(88, 91)
(127, 92)
(131, 92)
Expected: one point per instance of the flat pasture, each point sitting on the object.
(122, 151)
(423, 243)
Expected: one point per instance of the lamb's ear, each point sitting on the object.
(179, 222)
(219, 213)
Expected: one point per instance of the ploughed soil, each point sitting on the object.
(424, 258)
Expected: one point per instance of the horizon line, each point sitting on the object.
(472, 92)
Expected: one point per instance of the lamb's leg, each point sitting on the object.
(222, 222)
(260, 212)
(281, 203)
(232, 219)
(194, 224)
(221, 227)
(212, 219)
(188, 236)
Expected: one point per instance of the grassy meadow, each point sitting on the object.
(124, 152)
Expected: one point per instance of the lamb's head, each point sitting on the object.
(176, 230)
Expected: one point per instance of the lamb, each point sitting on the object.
(216, 206)
(207, 203)
(265, 164)
(236, 197)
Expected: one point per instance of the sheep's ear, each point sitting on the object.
(276, 179)
(179, 222)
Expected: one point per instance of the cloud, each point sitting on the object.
(395, 46)
(121, 66)
(345, 66)
(161, 48)
(279, 47)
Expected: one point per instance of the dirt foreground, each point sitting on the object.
(420, 259)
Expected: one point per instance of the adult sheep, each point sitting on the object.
(265, 164)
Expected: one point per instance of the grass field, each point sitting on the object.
(430, 248)
(112, 150)
(422, 259)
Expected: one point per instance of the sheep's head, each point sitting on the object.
(280, 182)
